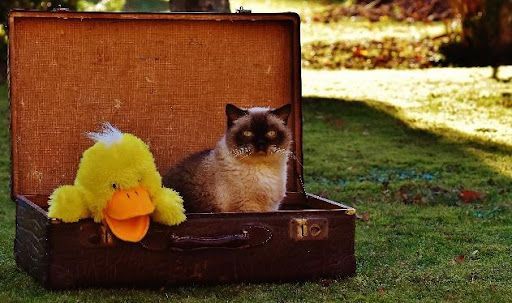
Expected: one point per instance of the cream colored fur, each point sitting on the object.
(247, 184)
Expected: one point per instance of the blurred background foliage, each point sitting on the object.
(486, 34)
(101, 5)
(475, 32)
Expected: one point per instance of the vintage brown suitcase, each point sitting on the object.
(165, 78)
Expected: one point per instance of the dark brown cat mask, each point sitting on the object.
(257, 131)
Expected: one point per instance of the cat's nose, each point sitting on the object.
(261, 145)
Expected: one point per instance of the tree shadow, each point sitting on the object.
(357, 147)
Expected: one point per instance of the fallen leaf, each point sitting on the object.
(418, 199)
(403, 195)
(459, 259)
(470, 196)
(365, 216)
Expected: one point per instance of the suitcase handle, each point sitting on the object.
(250, 236)
(192, 243)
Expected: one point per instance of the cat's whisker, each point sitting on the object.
(296, 159)
(290, 154)
(281, 151)
(241, 153)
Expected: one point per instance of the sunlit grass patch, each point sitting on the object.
(463, 101)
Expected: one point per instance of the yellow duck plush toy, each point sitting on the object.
(117, 183)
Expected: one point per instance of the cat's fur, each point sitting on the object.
(242, 173)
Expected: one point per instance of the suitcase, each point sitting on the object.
(165, 78)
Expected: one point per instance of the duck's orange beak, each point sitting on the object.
(127, 214)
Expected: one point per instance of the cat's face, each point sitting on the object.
(257, 132)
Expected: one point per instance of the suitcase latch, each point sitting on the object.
(304, 229)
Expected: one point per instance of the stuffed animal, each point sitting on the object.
(117, 183)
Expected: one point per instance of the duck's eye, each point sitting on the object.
(271, 134)
(114, 186)
(247, 133)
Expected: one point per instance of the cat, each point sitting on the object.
(245, 172)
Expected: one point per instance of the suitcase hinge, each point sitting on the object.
(241, 10)
(59, 9)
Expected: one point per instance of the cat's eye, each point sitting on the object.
(247, 133)
(271, 134)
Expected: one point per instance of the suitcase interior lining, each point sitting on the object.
(163, 77)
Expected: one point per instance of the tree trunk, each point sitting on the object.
(216, 6)
(486, 34)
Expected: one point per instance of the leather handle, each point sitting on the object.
(93, 235)
(226, 241)
(249, 236)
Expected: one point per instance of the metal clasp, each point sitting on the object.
(302, 229)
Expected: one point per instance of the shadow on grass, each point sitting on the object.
(356, 151)
(444, 132)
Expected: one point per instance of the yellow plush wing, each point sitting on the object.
(67, 203)
(168, 207)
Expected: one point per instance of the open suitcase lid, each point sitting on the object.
(163, 77)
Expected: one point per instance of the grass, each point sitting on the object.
(355, 152)
(399, 146)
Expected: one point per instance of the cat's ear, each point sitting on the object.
(283, 112)
(233, 113)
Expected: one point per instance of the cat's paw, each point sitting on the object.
(168, 207)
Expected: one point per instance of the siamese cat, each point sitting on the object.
(245, 172)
